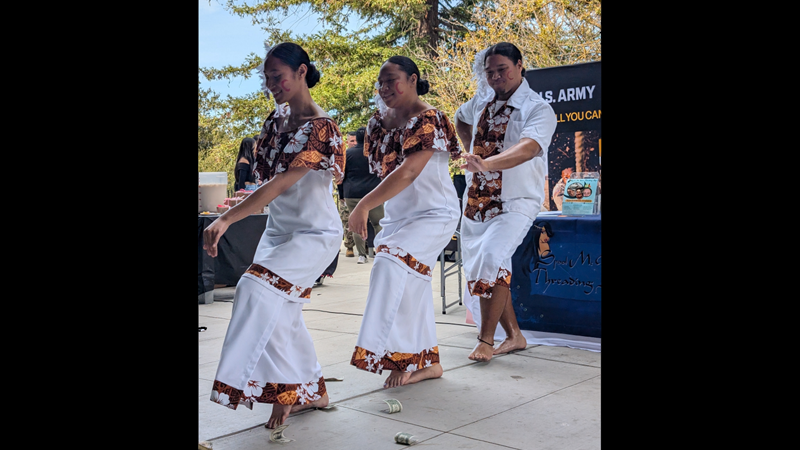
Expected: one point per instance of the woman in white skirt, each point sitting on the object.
(268, 355)
(507, 128)
(409, 144)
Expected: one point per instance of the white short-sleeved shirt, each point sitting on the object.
(532, 117)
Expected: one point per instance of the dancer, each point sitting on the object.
(507, 128)
(408, 143)
(268, 355)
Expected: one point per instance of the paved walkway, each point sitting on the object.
(541, 398)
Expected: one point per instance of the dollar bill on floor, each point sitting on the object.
(334, 379)
(329, 407)
(204, 445)
(394, 406)
(405, 438)
(277, 435)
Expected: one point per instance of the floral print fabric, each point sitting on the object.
(317, 144)
(403, 362)
(386, 149)
(483, 197)
(483, 288)
(262, 392)
(406, 258)
(277, 282)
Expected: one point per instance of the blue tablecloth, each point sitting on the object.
(559, 291)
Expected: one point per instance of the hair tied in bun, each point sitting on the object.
(423, 86)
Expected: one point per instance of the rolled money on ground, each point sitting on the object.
(277, 435)
(394, 406)
(405, 438)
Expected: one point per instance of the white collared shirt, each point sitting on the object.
(533, 118)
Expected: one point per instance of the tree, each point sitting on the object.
(210, 127)
(221, 126)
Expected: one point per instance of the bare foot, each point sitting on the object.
(396, 378)
(320, 403)
(279, 415)
(434, 371)
(482, 352)
(281, 412)
(510, 344)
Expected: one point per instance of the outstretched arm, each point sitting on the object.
(261, 197)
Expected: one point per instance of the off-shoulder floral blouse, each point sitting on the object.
(386, 149)
(317, 144)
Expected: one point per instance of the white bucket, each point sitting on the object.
(212, 190)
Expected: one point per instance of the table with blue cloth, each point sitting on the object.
(558, 289)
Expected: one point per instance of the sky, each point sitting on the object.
(226, 39)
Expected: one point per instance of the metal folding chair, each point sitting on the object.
(453, 269)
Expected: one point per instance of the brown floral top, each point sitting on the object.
(483, 197)
(317, 144)
(386, 149)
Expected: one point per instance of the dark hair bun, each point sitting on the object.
(423, 87)
(312, 75)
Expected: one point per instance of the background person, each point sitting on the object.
(344, 212)
(358, 182)
(244, 172)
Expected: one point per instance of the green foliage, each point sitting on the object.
(210, 127)
(222, 124)
(349, 68)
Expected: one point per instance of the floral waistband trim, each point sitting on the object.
(407, 259)
(277, 282)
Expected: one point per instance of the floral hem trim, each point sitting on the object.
(406, 258)
(262, 392)
(277, 282)
(405, 362)
(484, 288)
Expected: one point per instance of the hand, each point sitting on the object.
(474, 163)
(211, 236)
(357, 223)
